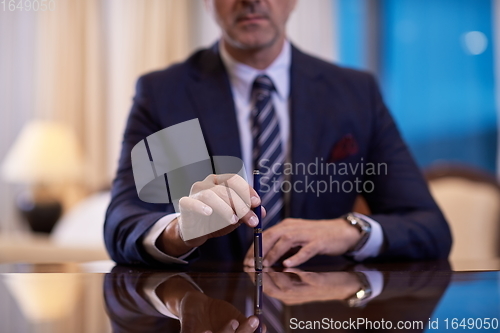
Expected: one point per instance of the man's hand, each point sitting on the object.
(314, 237)
(198, 312)
(294, 287)
(221, 200)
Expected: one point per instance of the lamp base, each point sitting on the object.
(41, 216)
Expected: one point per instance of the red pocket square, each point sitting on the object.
(345, 147)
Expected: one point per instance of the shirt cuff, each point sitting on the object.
(149, 241)
(151, 295)
(374, 242)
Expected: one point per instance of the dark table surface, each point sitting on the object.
(101, 297)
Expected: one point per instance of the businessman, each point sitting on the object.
(320, 134)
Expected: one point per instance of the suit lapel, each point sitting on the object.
(210, 92)
(306, 121)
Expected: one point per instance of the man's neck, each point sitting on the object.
(259, 58)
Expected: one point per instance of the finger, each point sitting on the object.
(194, 205)
(217, 204)
(301, 277)
(251, 219)
(270, 287)
(248, 325)
(284, 281)
(285, 243)
(230, 327)
(240, 186)
(205, 184)
(263, 211)
(249, 258)
(297, 271)
(271, 236)
(234, 201)
(251, 271)
(310, 278)
(194, 214)
(305, 253)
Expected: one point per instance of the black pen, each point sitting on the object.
(257, 235)
(258, 311)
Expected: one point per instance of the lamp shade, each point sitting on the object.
(43, 153)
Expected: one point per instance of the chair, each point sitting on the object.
(470, 200)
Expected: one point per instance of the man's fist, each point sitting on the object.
(215, 206)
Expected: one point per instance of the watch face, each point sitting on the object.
(363, 227)
(357, 299)
(363, 224)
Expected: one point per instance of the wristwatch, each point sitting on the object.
(359, 298)
(363, 227)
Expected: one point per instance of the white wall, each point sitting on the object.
(312, 28)
(17, 30)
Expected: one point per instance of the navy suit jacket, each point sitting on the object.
(328, 104)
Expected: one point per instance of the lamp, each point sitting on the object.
(44, 155)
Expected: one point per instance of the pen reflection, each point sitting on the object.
(258, 298)
(201, 302)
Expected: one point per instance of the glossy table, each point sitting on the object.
(97, 297)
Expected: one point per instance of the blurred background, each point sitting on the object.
(67, 78)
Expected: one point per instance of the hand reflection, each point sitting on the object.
(294, 287)
(199, 313)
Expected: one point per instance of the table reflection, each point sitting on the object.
(292, 300)
(74, 298)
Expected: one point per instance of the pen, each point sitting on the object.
(258, 300)
(257, 235)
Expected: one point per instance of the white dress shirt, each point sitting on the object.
(241, 78)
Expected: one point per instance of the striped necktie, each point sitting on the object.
(268, 153)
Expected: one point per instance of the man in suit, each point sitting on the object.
(321, 135)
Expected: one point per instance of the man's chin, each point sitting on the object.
(254, 43)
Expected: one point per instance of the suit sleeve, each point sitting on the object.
(412, 223)
(127, 306)
(128, 218)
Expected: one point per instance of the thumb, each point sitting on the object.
(249, 258)
(305, 253)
